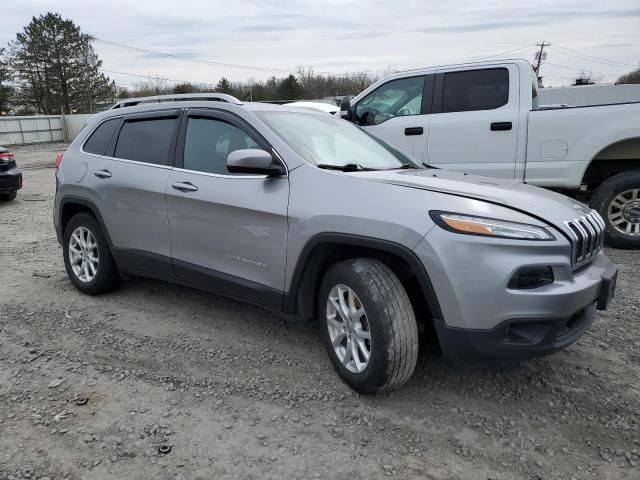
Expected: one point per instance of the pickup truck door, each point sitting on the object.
(397, 112)
(474, 124)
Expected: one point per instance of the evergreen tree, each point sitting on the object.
(224, 86)
(5, 90)
(56, 68)
(290, 88)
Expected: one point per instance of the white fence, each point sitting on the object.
(40, 128)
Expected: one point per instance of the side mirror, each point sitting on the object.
(253, 160)
(346, 111)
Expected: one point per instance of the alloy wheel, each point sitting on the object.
(83, 254)
(348, 328)
(624, 212)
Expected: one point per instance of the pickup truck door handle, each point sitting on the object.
(413, 131)
(102, 173)
(185, 187)
(501, 126)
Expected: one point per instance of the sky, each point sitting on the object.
(276, 37)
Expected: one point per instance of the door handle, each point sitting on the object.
(501, 126)
(102, 173)
(413, 131)
(185, 186)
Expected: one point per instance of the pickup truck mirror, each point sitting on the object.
(253, 160)
(346, 111)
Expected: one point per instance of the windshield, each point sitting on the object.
(324, 140)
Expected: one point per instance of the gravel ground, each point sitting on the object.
(236, 392)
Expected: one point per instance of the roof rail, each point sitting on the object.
(180, 97)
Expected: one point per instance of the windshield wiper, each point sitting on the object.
(426, 165)
(349, 167)
(404, 166)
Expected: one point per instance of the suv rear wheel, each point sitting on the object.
(618, 201)
(87, 258)
(368, 325)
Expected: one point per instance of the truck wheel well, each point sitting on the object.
(326, 254)
(616, 158)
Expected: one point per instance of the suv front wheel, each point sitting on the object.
(368, 325)
(87, 258)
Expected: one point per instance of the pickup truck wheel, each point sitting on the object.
(368, 325)
(87, 258)
(618, 201)
(8, 197)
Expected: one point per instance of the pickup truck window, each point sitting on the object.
(475, 90)
(393, 99)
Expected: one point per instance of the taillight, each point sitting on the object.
(6, 156)
(59, 159)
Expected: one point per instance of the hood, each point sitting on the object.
(545, 205)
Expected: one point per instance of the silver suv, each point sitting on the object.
(309, 215)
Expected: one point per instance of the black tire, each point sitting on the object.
(391, 322)
(106, 277)
(8, 197)
(602, 199)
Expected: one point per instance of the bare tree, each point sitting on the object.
(631, 77)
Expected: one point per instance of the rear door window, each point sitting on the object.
(101, 136)
(147, 141)
(475, 90)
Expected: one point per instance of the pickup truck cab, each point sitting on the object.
(484, 118)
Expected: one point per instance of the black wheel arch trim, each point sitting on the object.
(290, 298)
(72, 199)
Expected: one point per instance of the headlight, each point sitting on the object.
(489, 227)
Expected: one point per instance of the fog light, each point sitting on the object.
(531, 277)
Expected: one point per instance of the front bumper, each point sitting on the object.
(10, 180)
(515, 339)
(483, 318)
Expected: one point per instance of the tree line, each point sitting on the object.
(305, 85)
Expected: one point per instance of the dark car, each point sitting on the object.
(10, 176)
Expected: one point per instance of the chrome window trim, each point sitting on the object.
(125, 160)
(220, 175)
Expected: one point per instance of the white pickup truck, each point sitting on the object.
(484, 118)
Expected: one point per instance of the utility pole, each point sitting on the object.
(88, 59)
(540, 55)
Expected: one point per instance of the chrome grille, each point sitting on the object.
(587, 236)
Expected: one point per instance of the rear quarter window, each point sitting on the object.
(101, 136)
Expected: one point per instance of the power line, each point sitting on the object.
(156, 77)
(216, 63)
(593, 58)
(186, 59)
(585, 70)
(508, 52)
